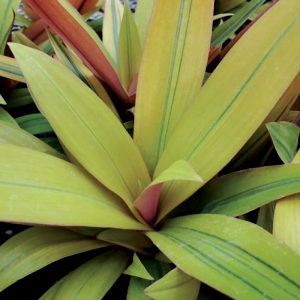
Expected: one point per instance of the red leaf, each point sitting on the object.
(63, 24)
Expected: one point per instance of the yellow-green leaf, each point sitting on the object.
(130, 239)
(137, 269)
(6, 20)
(148, 201)
(171, 74)
(38, 247)
(240, 192)
(130, 52)
(233, 256)
(142, 18)
(12, 134)
(90, 281)
(20, 38)
(85, 125)
(70, 60)
(9, 69)
(225, 115)
(111, 27)
(285, 139)
(175, 285)
(2, 100)
(286, 218)
(37, 188)
(7, 118)
(286, 225)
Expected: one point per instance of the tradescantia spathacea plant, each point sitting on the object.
(112, 191)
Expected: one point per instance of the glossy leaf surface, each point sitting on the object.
(223, 252)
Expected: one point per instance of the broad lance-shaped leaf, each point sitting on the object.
(20, 38)
(63, 19)
(130, 52)
(229, 27)
(224, 115)
(111, 27)
(175, 285)
(171, 74)
(6, 20)
(131, 239)
(142, 18)
(85, 125)
(147, 203)
(37, 188)
(69, 59)
(286, 218)
(285, 139)
(12, 134)
(137, 269)
(9, 69)
(38, 247)
(223, 252)
(90, 281)
(240, 192)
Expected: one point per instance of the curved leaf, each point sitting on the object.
(130, 239)
(224, 115)
(240, 192)
(171, 74)
(10, 134)
(88, 129)
(63, 19)
(223, 252)
(41, 189)
(285, 139)
(137, 269)
(9, 69)
(175, 285)
(38, 247)
(90, 281)
(6, 20)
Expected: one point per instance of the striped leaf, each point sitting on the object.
(223, 252)
(130, 51)
(38, 247)
(7, 8)
(34, 123)
(19, 97)
(90, 281)
(171, 73)
(64, 20)
(111, 27)
(285, 139)
(240, 192)
(55, 192)
(229, 27)
(70, 60)
(175, 285)
(210, 132)
(9, 69)
(105, 149)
